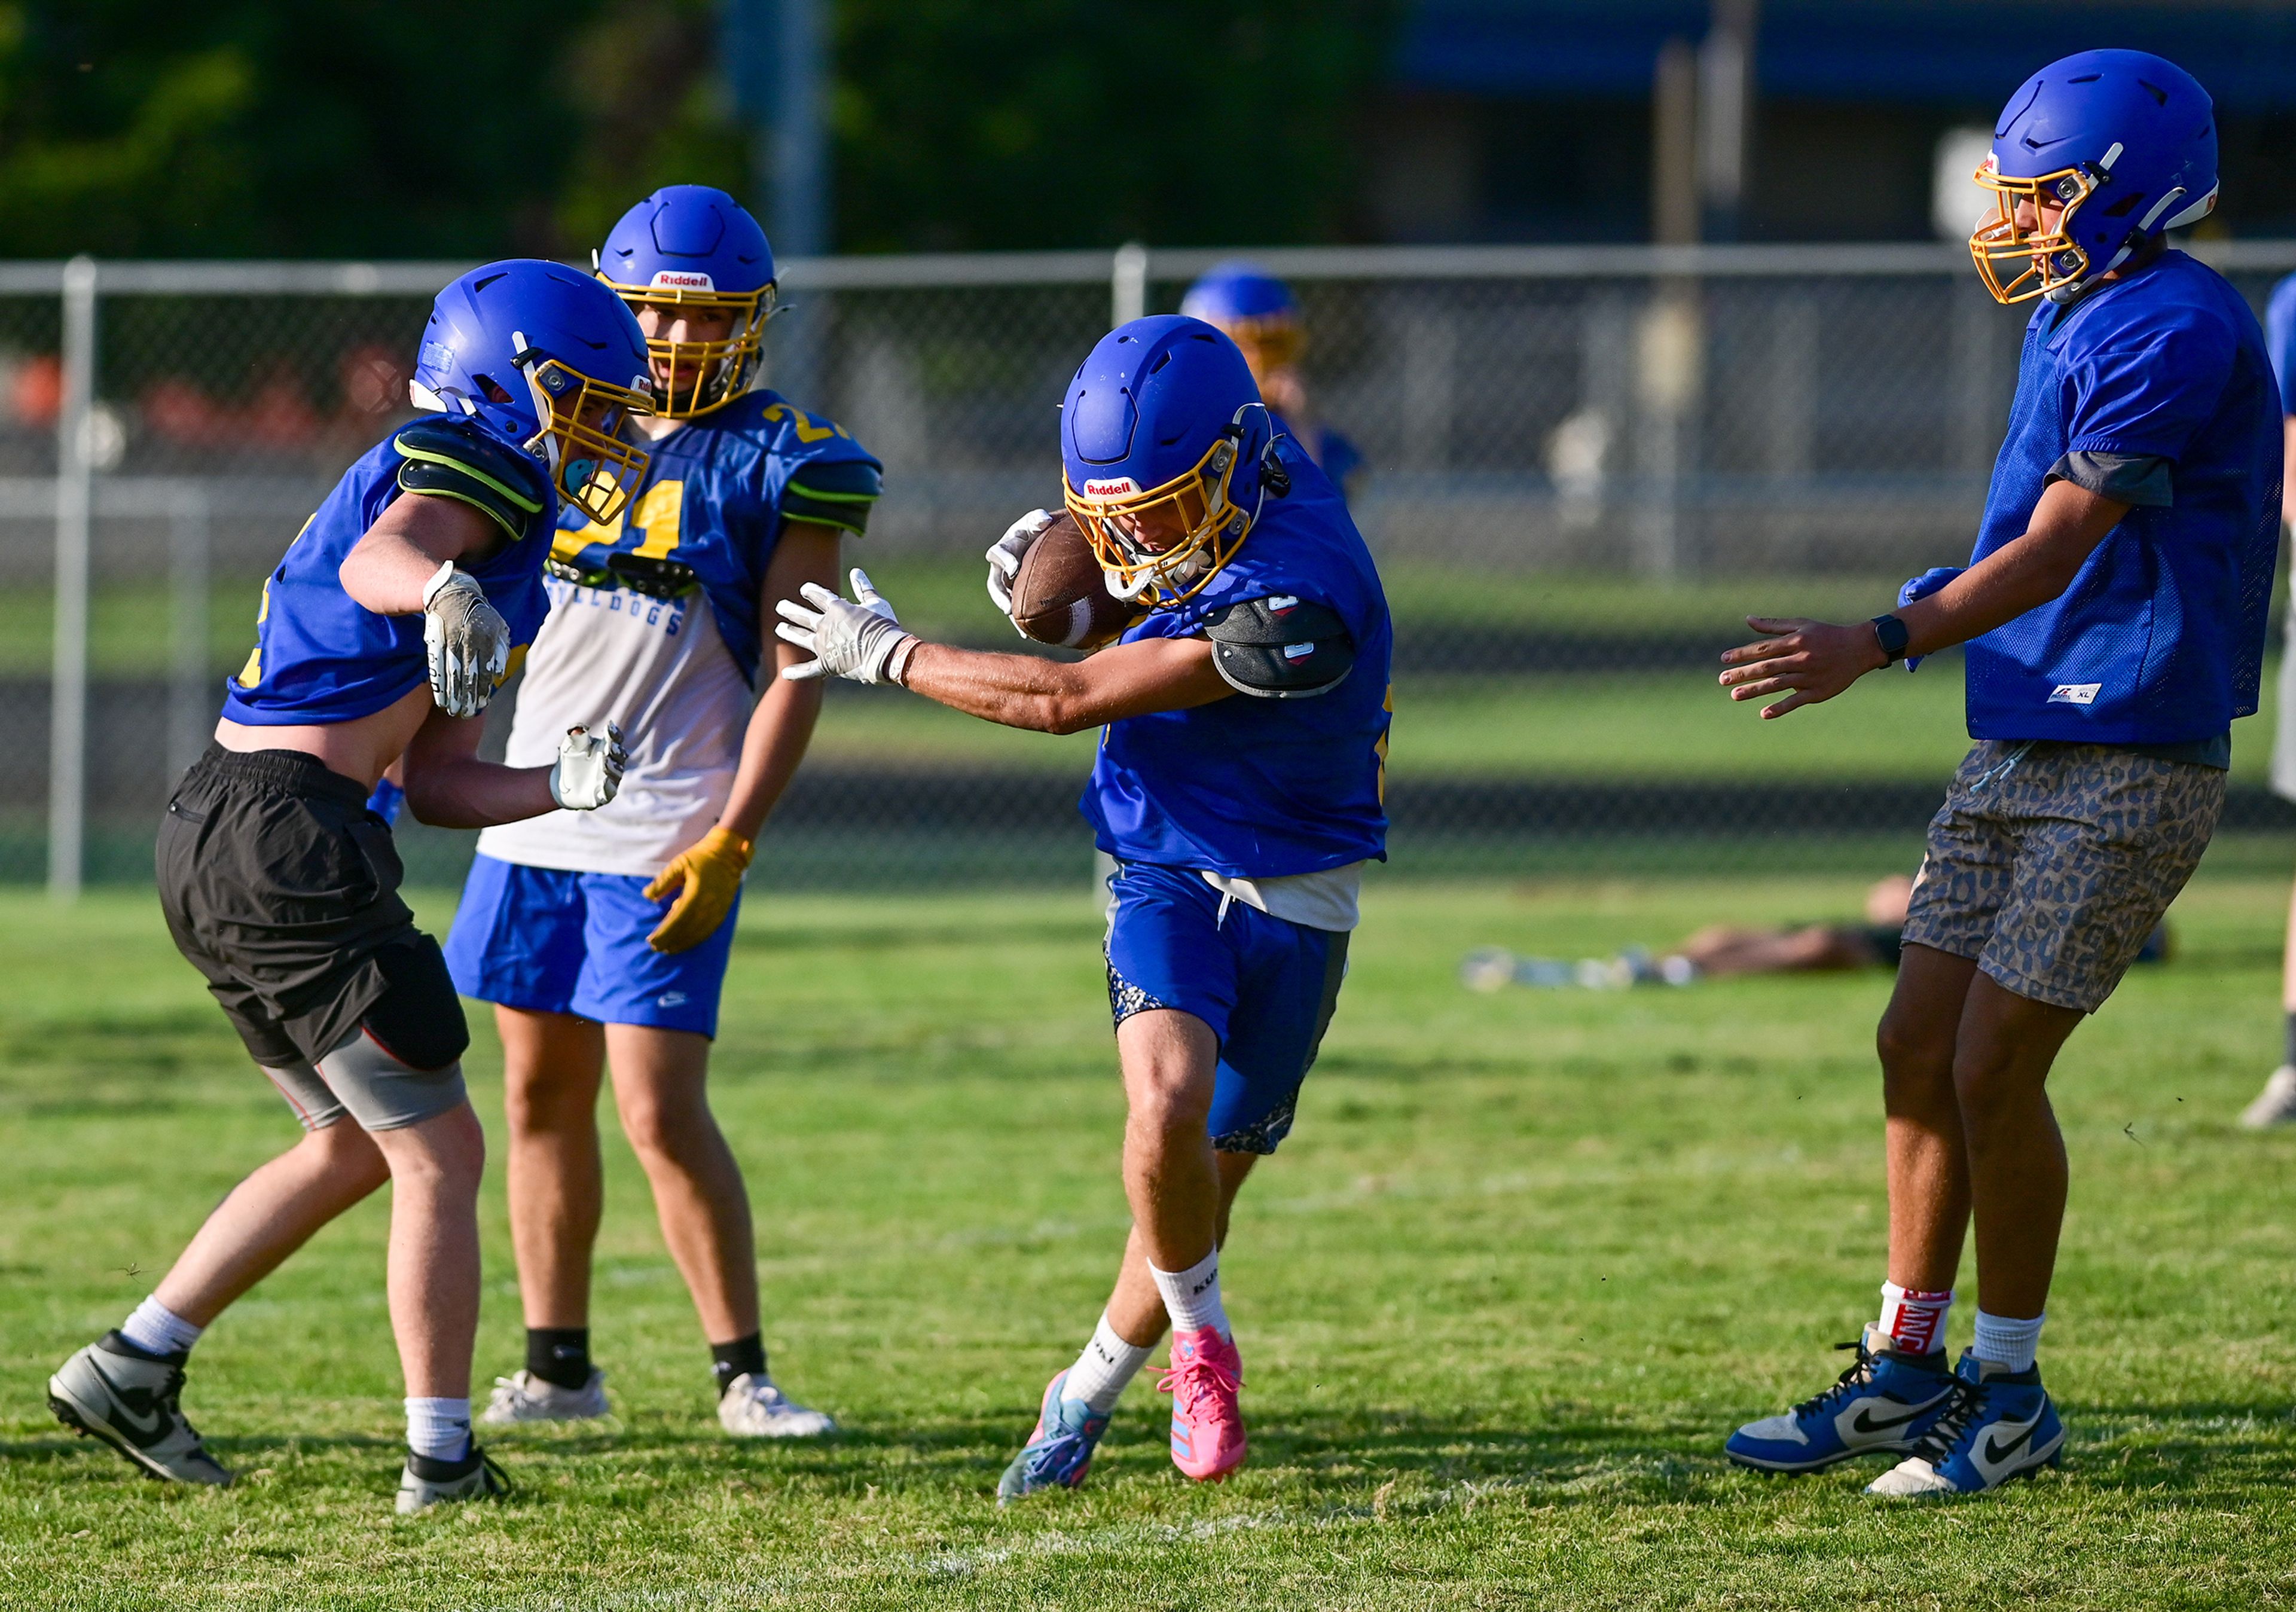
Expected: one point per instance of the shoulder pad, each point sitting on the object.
(451, 461)
(1279, 647)
(839, 493)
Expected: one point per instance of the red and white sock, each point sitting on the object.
(1914, 1319)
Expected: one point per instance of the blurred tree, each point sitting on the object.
(1043, 123)
(251, 128)
(442, 129)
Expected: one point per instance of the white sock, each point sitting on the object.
(439, 1429)
(1913, 1318)
(1106, 1365)
(157, 1330)
(2006, 1343)
(1192, 1297)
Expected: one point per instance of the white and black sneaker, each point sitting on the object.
(527, 1397)
(752, 1407)
(129, 1398)
(429, 1482)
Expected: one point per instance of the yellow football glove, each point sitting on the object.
(710, 870)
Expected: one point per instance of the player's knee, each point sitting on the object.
(345, 1154)
(1916, 1052)
(663, 1130)
(1170, 1098)
(1990, 1082)
(443, 1154)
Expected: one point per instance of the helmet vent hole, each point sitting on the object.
(2124, 206)
(2160, 97)
(479, 285)
(2086, 79)
(492, 388)
(1160, 363)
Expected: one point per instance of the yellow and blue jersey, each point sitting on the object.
(2159, 638)
(319, 655)
(1262, 788)
(715, 499)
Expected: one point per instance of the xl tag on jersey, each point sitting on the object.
(2075, 693)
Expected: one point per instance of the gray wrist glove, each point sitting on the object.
(588, 770)
(863, 640)
(465, 640)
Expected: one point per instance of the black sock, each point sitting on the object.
(744, 1357)
(559, 1355)
(2290, 1057)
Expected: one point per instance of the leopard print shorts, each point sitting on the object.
(2050, 863)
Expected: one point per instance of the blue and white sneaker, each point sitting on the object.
(1060, 1451)
(1884, 1403)
(2001, 1425)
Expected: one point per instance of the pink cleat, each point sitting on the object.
(1204, 1379)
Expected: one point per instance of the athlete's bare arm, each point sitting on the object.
(1065, 697)
(782, 724)
(388, 568)
(385, 571)
(448, 787)
(1810, 661)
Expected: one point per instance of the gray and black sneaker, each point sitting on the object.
(128, 1398)
(429, 1482)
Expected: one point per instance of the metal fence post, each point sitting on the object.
(191, 704)
(1128, 284)
(67, 707)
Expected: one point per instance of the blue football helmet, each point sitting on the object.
(691, 249)
(1253, 309)
(545, 359)
(2124, 141)
(1168, 451)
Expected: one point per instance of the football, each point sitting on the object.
(1058, 595)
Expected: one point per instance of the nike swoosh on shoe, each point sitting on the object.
(149, 1424)
(1996, 1452)
(1865, 1421)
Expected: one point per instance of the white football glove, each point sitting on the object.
(1004, 559)
(465, 640)
(863, 640)
(588, 770)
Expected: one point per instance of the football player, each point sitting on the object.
(384, 632)
(2114, 613)
(1238, 787)
(2275, 1105)
(1258, 312)
(601, 938)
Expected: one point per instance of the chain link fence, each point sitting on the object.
(1584, 464)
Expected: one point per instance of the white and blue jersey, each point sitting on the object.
(319, 655)
(1262, 789)
(654, 625)
(2154, 391)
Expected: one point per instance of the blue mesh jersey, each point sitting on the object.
(1257, 788)
(2280, 340)
(713, 505)
(2160, 640)
(321, 657)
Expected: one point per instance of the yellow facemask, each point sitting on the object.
(715, 373)
(586, 437)
(1120, 520)
(2044, 259)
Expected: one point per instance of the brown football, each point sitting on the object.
(1059, 596)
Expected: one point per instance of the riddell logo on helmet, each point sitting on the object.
(1111, 487)
(683, 280)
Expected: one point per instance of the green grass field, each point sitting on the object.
(1524, 1261)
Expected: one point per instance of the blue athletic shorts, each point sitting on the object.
(1266, 988)
(551, 941)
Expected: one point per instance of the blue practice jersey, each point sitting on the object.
(2159, 639)
(321, 657)
(2280, 340)
(1252, 788)
(717, 494)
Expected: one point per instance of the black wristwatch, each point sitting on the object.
(1891, 634)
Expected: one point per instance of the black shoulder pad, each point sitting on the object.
(1280, 648)
(451, 461)
(839, 494)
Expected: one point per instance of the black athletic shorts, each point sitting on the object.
(283, 889)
